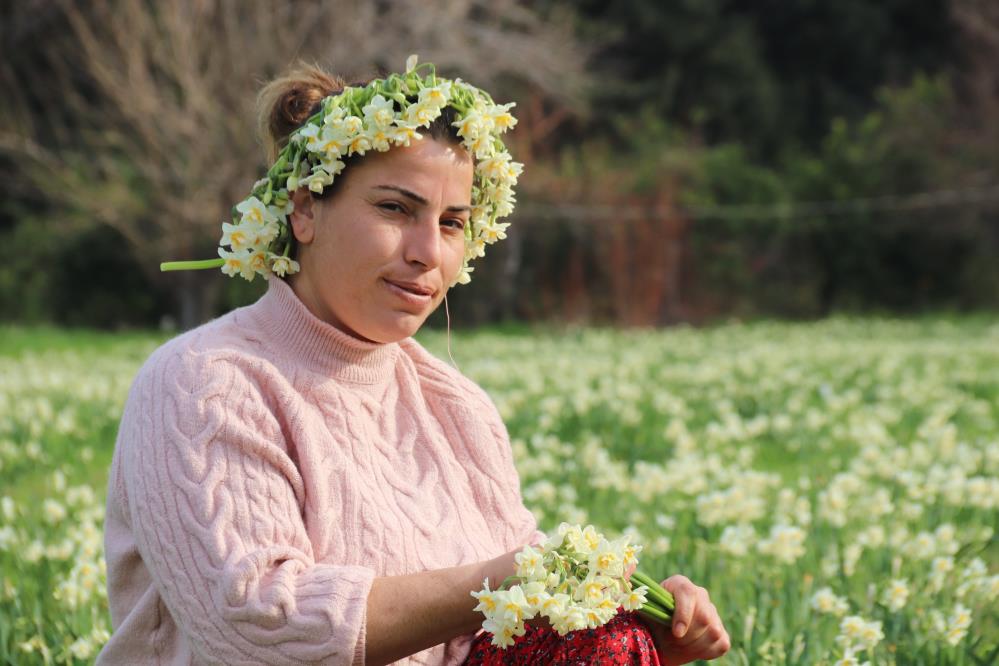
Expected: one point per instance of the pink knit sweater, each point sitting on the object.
(268, 466)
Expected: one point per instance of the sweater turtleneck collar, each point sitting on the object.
(318, 345)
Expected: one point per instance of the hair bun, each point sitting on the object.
(289, 100)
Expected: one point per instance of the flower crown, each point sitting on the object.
(383, 113)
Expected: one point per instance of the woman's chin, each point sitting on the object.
(399, 326)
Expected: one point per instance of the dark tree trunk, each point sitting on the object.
(196, 295)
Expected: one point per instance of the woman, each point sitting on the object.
(299, 481)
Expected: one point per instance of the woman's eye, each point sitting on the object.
(456, 223)
(392, 206)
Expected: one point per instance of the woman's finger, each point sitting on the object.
(685, 595)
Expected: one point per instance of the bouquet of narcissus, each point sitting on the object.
(577, 580)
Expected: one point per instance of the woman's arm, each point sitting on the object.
(413, 612)
(214, 503)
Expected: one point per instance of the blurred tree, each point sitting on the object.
(764, 73)
(137, 114)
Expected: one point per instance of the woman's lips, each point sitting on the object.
(410, 292)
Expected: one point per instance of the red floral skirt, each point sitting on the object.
(623, 640)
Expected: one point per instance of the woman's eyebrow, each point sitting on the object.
(417, 198)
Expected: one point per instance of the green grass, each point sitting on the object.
(751, 425)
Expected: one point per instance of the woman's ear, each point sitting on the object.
(303, 216)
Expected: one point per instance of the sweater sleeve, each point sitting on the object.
(214, 504)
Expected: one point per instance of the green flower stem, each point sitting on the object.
(656, 591)
(509, 582)
(191, 265)
(664, 601)
(653, 613)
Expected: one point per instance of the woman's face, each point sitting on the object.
(378, 255)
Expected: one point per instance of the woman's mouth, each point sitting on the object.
(410, 292)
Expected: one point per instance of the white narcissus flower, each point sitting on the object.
(502, 119)
(957, 624)
(512, 605)
(785, 543)
(635, 599)
(493, 168)
(335, 116)
(260, 235)
(737, 539)
(487, 600)
(607, 559)
(849, 660)
(570, 619)
(530, 564)
(896, 594)
(379, 112)
(493, 232)
(942, 565)
(403, 133)
(254, 210)
(475, 248)
(850, 628)
(420, 114)
(825, 601)
(597, 615)
(464, 275)
(332, 142)
(359, 144)
(536, 595)
(470, 126)
(871, 634)
(257, 261)
(53, 510)
(554, 605)
(235, 236)
(350, 126)
(331, 166)
(569, 533)
(282, 265)
(591, 538)
(503, 632)
(317, 181)
(513, 171)
(437, 96)
(8, 508)
(500, 168)
(481, 146)
(236, 262)
(309, 137)
(503, 200)
(380, 137)
(594, 587)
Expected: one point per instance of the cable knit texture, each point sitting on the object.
(269, 466)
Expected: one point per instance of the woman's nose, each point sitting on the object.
(423, 243)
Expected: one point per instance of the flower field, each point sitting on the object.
(834, 485)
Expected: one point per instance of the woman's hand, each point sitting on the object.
(697, 631)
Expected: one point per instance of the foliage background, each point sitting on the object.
(686, 160)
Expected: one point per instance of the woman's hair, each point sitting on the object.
(285, 103)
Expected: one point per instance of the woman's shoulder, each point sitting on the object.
(224, 346)
(440, 377)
